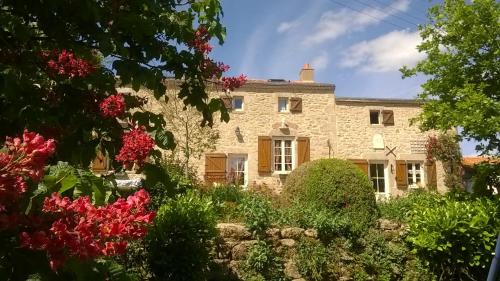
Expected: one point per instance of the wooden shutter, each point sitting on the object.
(264, 155)
(387, 117)
(303, 150)
(100, 163)
(228, 102)
(401, 173)
(296, 105)
(215, 167)
(362, 164)
(431, 174)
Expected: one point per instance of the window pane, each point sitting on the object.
(381, 185)
(417, 167)
(410, 179)
(380, 168)
(288, 167)
(374, 117)
(238, 103)
(282, 104)
(373, 170)
(418, 178)
(374, 183)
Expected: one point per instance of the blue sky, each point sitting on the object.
(358, 45)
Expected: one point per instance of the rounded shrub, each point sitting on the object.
(336, 185)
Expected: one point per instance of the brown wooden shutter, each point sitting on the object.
(362, 164)
(215, 167)
(303, 150)
(296, 105)
(431, 174)
(100, 163)
(264, 155)
(401, 173)
(387, 117)
(228, 102)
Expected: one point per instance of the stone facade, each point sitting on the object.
(333, 126)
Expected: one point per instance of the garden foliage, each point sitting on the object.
(456, 236)
(182, 237)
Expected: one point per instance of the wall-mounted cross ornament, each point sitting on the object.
(391, 151)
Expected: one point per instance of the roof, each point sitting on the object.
(281, 85)
(349, 100)
(469, 161)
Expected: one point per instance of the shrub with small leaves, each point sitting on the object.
(258, 214)
(182, 238)
(262, 263)
(312, 260)
(457, 236)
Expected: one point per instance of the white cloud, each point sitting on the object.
(286, 26)
(320, 62)
(333, 24)
(388, 52)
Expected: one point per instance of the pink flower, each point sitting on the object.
(231, 83)
(137, 145)
(113, 106)
(64, 63)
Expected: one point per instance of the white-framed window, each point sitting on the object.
(283, 104)
(283, 155)
(378, 176)
(238, 103)
(237, 169)
(415, 174)
(375, 117)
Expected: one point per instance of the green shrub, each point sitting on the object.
(312, 260)
(336, 185)
(258, 214)
(165, 181)
(456, 237)
(262, 263)
(182, 237)
(227, 193)
(399, 208)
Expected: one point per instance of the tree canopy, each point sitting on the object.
(461, 41)
(53, 75)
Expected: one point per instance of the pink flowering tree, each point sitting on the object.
(59, 106)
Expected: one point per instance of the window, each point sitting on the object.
(377, 176)
(237, 103)
(283, 155)
(237, 170)
(282, 104)
(374, 117)
(414, 174)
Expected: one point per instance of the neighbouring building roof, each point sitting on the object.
(377, 101)
(469, 161)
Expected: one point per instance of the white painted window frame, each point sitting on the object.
(414, 175)
(233, 156)
(293, 144)
(242, 103)
(287, 101)
(386, 193)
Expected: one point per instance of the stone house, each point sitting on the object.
(277, 125)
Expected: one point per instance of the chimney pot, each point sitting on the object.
(306, 73)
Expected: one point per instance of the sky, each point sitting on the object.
(358, 45)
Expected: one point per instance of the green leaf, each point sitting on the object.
(165, 139)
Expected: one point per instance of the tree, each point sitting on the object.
(52, 74)
(58, 63)
(462, 45)
(191, 140)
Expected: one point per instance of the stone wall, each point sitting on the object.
(235, 241)
(355, 136)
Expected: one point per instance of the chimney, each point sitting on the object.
(306, 74)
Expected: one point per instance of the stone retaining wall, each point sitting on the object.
(235, 240)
